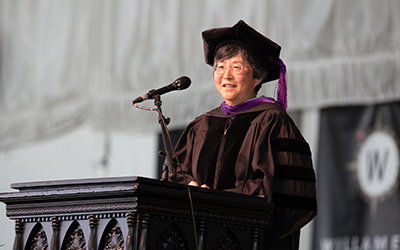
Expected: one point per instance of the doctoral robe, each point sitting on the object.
(256, 151)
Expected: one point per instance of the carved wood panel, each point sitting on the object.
(114, 239)
(227, 242)
(76, 241)
(171, 239)
(39, 242)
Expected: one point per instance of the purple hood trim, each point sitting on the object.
(246, 105)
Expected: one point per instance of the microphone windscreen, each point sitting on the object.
(184, 82)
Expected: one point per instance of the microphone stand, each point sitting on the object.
(170, 170)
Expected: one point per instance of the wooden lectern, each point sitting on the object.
(133, 213)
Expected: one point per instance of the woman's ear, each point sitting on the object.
(257, 85)
(257, 82)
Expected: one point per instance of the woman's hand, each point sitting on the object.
(193, 183)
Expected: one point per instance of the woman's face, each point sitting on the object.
(236, 88)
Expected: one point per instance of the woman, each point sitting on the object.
(249, 144)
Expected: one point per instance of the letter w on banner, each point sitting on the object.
(358, 178)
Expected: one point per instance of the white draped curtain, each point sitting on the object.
(65, 63)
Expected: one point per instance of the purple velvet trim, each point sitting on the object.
(246, 105)
(282, 89)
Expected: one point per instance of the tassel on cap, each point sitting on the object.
(282, 88)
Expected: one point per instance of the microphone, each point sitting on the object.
(182, 82)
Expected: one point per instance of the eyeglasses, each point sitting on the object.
(236, 68)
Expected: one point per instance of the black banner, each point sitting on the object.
(358, 178)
